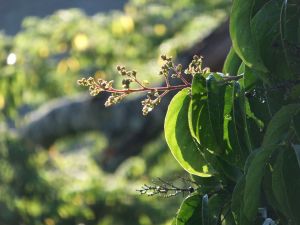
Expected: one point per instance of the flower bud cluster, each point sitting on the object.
(129, 74)
(178, 71)
(95, 86)
(114, 99)
(149, 103)
(154, 94)
(167, 66)
(196, 66)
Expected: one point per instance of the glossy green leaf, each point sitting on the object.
(178, 136)
(198, 92)
(239, 137)
(215, 103)
(232, 63)
(228, 105)
(249, 79)
(241, 69)
(199, 123)
(205, 134)
(190, 211)
(243, 41)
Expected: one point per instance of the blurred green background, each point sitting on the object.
(43, 61)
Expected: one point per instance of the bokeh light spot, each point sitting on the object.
(11, 59)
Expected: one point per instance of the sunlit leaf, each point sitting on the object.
(215, 104)
(179, 139)
(232, 63)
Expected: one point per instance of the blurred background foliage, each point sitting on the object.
(64, 184)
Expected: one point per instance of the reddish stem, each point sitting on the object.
(144, 89)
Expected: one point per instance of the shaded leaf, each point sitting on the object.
(280, 124)
(286, 190)
(237, 202)
(215, 205)
(290, 34)
(267, 35)
(254, 177)
(277, 131)
(242, 39)
(189, 212)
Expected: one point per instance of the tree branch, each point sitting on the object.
(127, 130)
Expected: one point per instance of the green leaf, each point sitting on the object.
(290, 34)
(241, 69)
(179, 139)
(190, 211)
(232, 63)
(267, 34)
(243, 41)
(198, 100)
(238, 133)
(202, 131)
(250, 79)
(199, 123)
(237, 202)
(268, 190)
(254, 177)
(215, 103)
(215, 207)
(277, 131)
(286, 185)
(281, 123)
(291, 174)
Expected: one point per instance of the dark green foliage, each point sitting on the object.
(247, 128)
(64, 185)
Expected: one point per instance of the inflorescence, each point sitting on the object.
(154, 95)
(165, 189)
